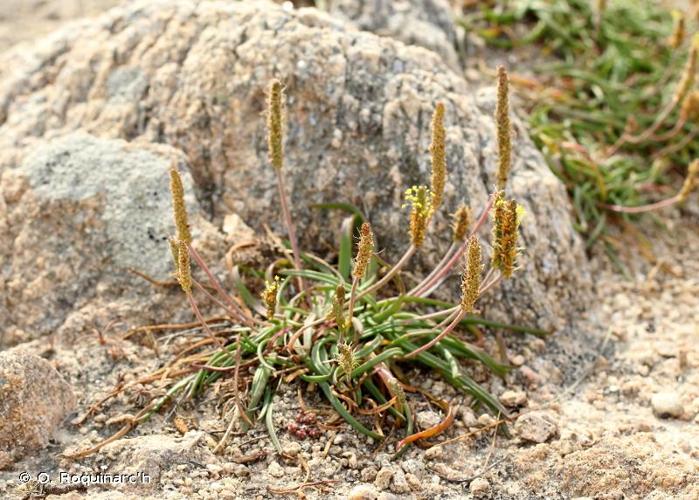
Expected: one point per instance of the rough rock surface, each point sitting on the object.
(151, 455)
(80, 212)
(34, 401)
(193, 75)
(425, 23)
(536, 427)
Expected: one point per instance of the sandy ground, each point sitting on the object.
(627, 428)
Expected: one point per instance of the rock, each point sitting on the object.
(368, 474)
(363, 492)
(383, 478)
(517, 360)
(399, 483)
(485, 420)
(667, 405)
(292, 449)
(240, 470)
(434, 453)
(385, 495)
(34, 401)
(512, 399)
(275, 470)
(531, 377)
(479, 487)
(412, 466)
(413, 481)
(536, 427)
(426, 23)
(427, 418)
(153, 455)
(468, 417)
(87, 212)
(192, 75)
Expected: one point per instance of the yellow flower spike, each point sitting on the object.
(508, 245)
(184, 269)
(438, 156)
(678, 31)
(339, 308)
(498, 224)
(461, 221)
(346, 359)
(507, 216)
(364, 251)
(690, 107)
(420, 199)
(275, 124)
(691, 182)
(178, 207)
(504, 128)
(471, 279)
(269, 296)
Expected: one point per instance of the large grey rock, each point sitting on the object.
(34, 401)
(425, 23)
(193, 75)
(79, 213)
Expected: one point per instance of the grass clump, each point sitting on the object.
(613, 105)
(343, 326)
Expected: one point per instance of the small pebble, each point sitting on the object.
(536, 427)
(427, 419)
(667, 405)
(383, 478)
(292, 449)
(363, 492)
(468, 417)
(485, 420)
(434, 453)
(479, 487)
(512, 399)
(399, 483)
(275, 470)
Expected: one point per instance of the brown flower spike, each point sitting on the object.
(505, 231)
(678, 31)
(347, 359)
(471, 279)
(690, 183)
(339, 307)
(269, 296)
(461, 220)
(184, 269)
(420, 199)
(179, 208)
(438, 155)
(364, 251)
(690, 107)
(275, 124)
(504, 128)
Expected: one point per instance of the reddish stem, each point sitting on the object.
(643, 208)
(428, 286)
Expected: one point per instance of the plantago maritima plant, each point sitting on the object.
(299, 331)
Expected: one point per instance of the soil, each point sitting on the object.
(627, 427)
